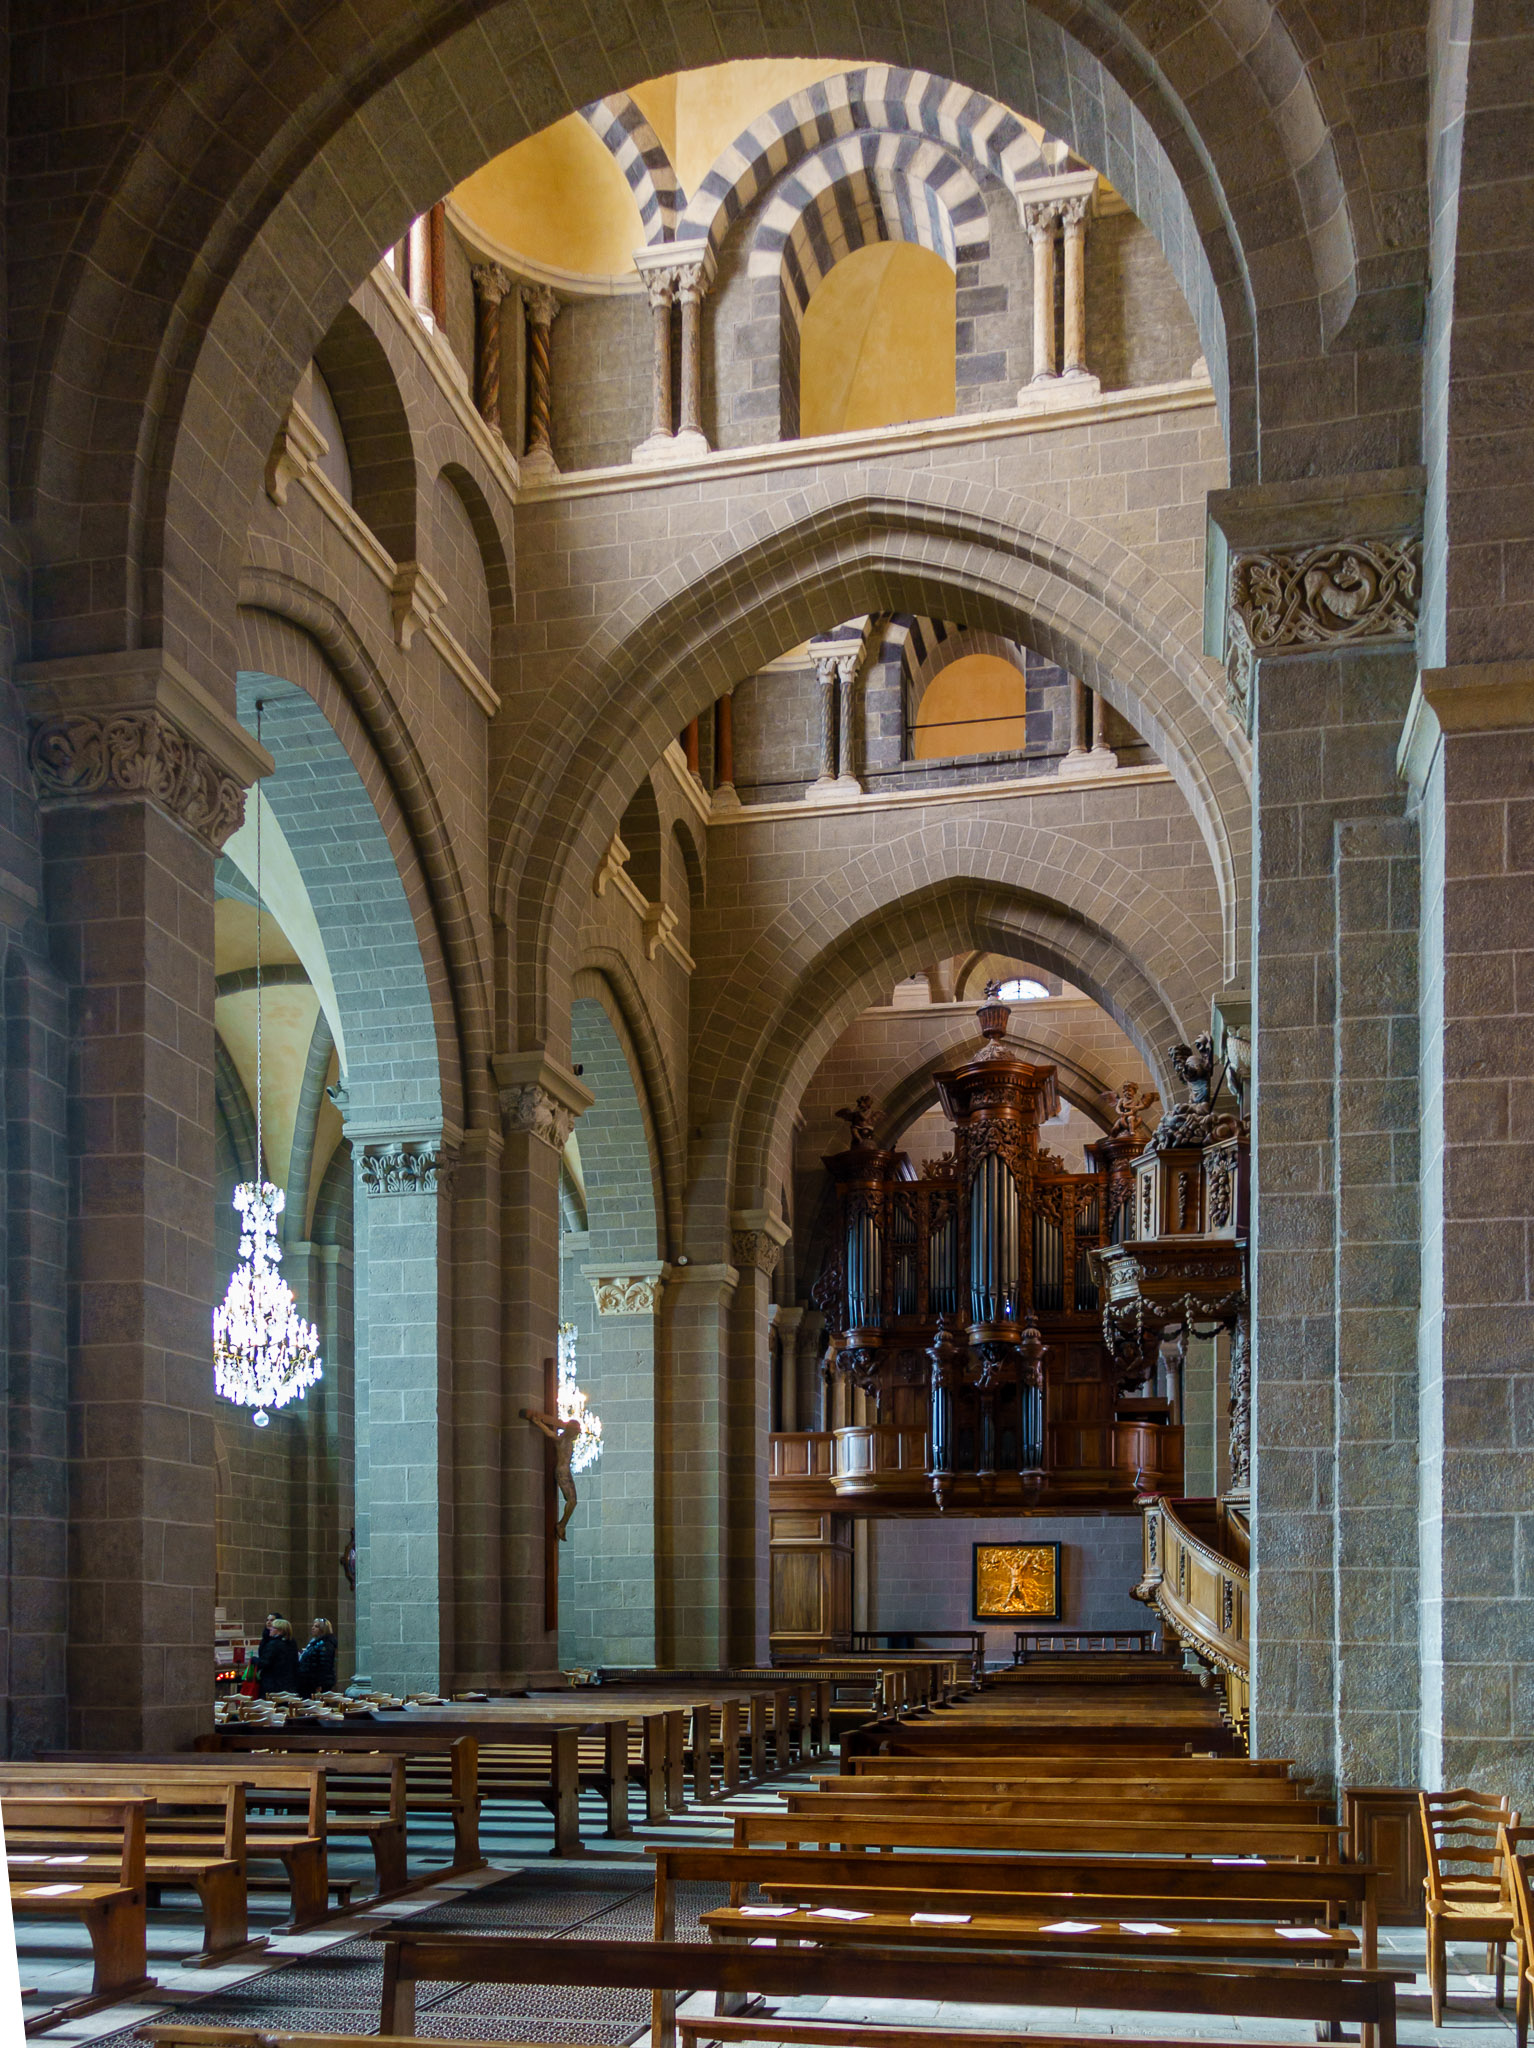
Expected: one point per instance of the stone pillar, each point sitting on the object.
(418, 269)
(541, 1101)
(1078, 761)
(725, 798)
(129, 887)
(1102, 755)
(825, 675)
(847, 750)
(757, 1238)
(693, 1468)
(402, 1242)
(692, 281)
(690, 745)
(617, 1620)
(1465, 755)
(1039, 217)
(542, 305)
(491, 284)
(660, 283)
(1333, 1345)
(787, 1322)
(1073, 219)
(479, 1412)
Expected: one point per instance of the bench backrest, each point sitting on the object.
(1101, 1833)
(178, 1803)
(66, 1826)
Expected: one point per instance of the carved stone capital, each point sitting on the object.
(1039, 217)
(630, 1290)
(757, 1238)
(491, 283)
(1075, 211)
(542, 303)
(692, 281)
(1297, 600)
(135, 726)
(407, 1169)
(540, 1097)
(660, 287)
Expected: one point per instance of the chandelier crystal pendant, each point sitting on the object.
(573, 1405)
(264, 1353)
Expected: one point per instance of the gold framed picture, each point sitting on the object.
(1017, 1581)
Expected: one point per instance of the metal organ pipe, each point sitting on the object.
(995, 1241)
(865, 1272)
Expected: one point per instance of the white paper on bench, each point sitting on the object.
(836, 1913)
(1304, 1934)
(768, 1912)
(1145, 1927)
(53, 1891)
(1240, 1859)
(942, 1919)
(1071, 1927)
(69, 1859)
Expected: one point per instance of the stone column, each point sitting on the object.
(1102, 755)
(541, 1101)
(129, 888)
(725, 798)
(1078, 761)
(826, 676)
(618, 1621)
(1073, 218)
(691, 289)
(1465, 755)
(418, 269)
(660, 283)
(402, 1317)
(1333, 1363)
(693, 1468)
(690, 745)
(491, 284)
(847, 750)
(787, 1322)
(542, 306)
(478, 1412)
(757, 1238)
(1039, 217)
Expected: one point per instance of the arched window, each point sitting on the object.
(877, 342)
(976, 705)
(1022, 990)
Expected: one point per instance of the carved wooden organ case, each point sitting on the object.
(964, 1298)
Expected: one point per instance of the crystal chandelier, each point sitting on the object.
(264, 1353)
(573, 1408)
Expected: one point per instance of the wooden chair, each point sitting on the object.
(1464, 1889)
(1517, 1847)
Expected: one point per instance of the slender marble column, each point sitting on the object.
(847, 740)
(418, 268)
(691, 287)
(491, 284)
(690, 745)
(1102, 755)
(542, 306)
(1073, 216)
(724, 753)
(658, 446)
(825, 671)
(1077, 761)
(1039, 217)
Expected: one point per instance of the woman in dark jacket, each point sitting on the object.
(317, 1659)
(277, 1657)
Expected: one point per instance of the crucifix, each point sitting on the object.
(559, 1448)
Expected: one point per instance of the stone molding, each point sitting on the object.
(130, 726)
(415, 599)
(407, 1170)
(1483, 696)
(540, 1096)
(628, 1290)
(724, 1279)
(298, 448)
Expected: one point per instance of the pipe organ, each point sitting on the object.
(962, 1301)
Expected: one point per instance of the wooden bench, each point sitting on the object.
(737, 1969)
(876, 1641)
(1103, 1834)
(441, 1777)
(969, 1799)
(44, 1839)
(195, 1840)
(1085, 1773)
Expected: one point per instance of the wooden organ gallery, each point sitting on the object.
(965, 1338)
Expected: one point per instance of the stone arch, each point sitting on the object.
(304, 629)
(606, 977)
(913, 544)
(1247, 167)
(749, 1145)
(380, 450)
(640, 154)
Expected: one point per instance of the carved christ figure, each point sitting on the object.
(562, 1436)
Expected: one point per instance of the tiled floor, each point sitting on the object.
(329, 1982)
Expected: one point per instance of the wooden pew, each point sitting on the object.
(195, 1840)
(1331, 1996)
(985, 1803)
(441, 1771)
(1118, 1833)
(112, 1904)
(1078, 1770)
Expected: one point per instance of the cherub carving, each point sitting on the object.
(562, 1435)
(859, 1120)
(1194, 1064)
(1128, 1103)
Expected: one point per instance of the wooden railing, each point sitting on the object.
(890, 1458)
(1191, 1576)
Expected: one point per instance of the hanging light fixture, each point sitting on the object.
(573, 1408)
(264, 1353)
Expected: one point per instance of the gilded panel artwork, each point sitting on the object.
(1017, 1582)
